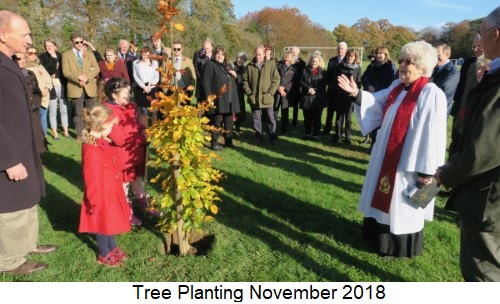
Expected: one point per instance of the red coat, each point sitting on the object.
(133, 150)
(104, 208)
(119, 70)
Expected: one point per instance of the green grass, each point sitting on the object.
(288, 213)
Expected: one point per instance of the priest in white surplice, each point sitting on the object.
(411, 142)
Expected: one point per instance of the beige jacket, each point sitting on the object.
(44, 80)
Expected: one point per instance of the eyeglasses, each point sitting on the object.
(78, 42)
(177, 49)
(18, 59)
(32, 53)
(485, 31)
(406, 61)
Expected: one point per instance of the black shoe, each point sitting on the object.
(259, 137)
(229, 143)
(348, 141)
(314, 138)
(325, 132)
(306, 137)
(335, 139)
(274, 139)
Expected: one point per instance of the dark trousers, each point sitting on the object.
(78, 106)
(338, 124)
(312, 121)
(329, 117)
(479, 260)
(285, 118)
(217, 120)
(295, 114)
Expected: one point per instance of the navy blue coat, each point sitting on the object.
(446, 78)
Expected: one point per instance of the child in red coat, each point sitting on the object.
(104, 211)
(133, 150)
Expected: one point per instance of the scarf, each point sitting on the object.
(385, 184)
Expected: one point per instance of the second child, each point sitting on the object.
(133, 149)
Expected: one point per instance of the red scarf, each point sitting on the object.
(385, 184)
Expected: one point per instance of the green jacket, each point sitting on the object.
(261, 84)
(474, 174)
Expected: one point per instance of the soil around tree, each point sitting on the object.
(201, 242)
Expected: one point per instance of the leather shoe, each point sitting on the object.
(28, 267)
(43, 249)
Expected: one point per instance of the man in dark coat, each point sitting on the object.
(332, 72)
(445, 74)
(199, 59)
(21, 176)
(294, 96)
(467, 82)
(474, 172)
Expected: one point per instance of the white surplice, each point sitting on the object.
(423, 151)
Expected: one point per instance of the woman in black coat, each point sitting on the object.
(378, 76)
(240, 68)
(349, 67)
(313, 95)
(219, 79)
(282, 98)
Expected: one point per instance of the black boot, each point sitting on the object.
(229, 143)
(274, 139)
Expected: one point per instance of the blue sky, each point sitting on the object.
(416, 14)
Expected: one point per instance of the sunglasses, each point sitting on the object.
(406, 61)
(177, 49)
(32, 53)
(78, 42)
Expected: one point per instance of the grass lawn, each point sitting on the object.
(288, 213)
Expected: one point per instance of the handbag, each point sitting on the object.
(53, 94)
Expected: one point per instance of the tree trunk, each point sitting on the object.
(184, 247)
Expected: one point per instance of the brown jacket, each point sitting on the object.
(71, 70)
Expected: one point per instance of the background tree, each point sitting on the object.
(282, 27)
(372, 34)
(104, 22)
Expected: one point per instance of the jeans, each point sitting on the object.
(63, 109)
(43, 118)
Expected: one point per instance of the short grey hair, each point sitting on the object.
(423, 54)
(242, 55)
(493, 18)
(343, 44)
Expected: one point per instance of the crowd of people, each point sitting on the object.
(402, 112)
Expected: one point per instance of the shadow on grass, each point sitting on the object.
(304, 168)
(63, 214)
(307, 218)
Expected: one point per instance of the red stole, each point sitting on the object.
(385, 183)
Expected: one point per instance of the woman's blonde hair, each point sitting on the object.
(94, 119)
(113, 51)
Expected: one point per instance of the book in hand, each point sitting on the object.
(422, 194)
